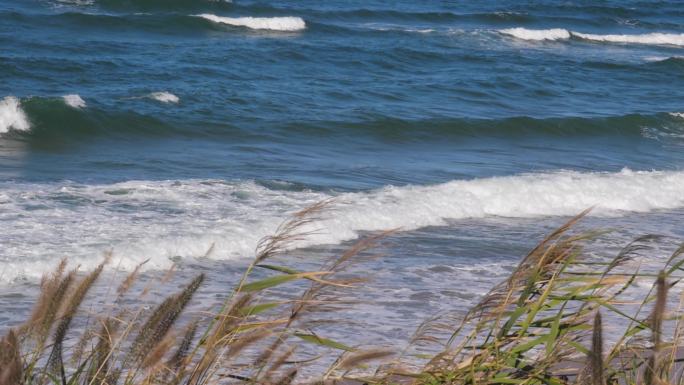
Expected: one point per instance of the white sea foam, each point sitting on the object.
(164, 219)
(74, 101)
(287, 23)
(655, 38)
(648, 38)
(537, 34)
(164, 97)
(677, 114)
(396, 28)
(12, 117)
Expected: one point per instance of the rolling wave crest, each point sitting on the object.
(287, 23)
(233, 216)
(655, 38)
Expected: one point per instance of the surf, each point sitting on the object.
(286, 23)
(12, 116)
(229, 217)
(654, 38)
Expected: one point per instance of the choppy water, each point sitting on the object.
(159, 128)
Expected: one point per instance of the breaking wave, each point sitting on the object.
(537, 34)
(165, 220)
(12, 116)
(655, 38)
(164, 97)
(287, 23)
(74, 101)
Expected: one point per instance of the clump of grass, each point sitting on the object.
(545, 324)
(542, 325)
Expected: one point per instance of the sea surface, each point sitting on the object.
(183, 131)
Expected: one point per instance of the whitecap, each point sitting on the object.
(74, 101)
(164, 97)
(287, 23)
(662, 58)
(12, 116)
(655, 38)
(537, 34)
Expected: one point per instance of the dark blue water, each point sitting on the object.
(370, 93)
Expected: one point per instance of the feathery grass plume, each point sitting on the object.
(10, 360)
(315, 297)
(48, 286)
(287, 378)
(53, 294)
(526, 325)
(278, 363)
(154, 357)
(653, 369)
(217, 336)
(55, 360)
(130, 278)
(228, 320)
(100, 359)
(595, 357)
(359, 247)
(289, 232)
(240, 342)
(160, 321)
(632, 249)
(221, 329)
(355, 359)
(176, 361)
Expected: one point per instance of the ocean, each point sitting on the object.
(183, 131)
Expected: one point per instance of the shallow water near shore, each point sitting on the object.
(184, 131)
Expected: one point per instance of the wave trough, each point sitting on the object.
(287, 23)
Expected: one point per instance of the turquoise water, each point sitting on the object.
(157, 129)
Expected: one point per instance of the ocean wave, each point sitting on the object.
(151, 4)
(164, 97)
(12, 116)
(48, 120)
(655, 38)
(648, 38)
(537, 34)
(74, 101)
(287, 23)
(165, 220)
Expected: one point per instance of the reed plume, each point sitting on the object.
(55, 360)
(653, 366)
(10, 360)
(596, 354)
(181, 353)
(160, 321)
(101, 355)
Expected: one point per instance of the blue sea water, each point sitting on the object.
(162, 129)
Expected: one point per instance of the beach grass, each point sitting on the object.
(563, 316)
